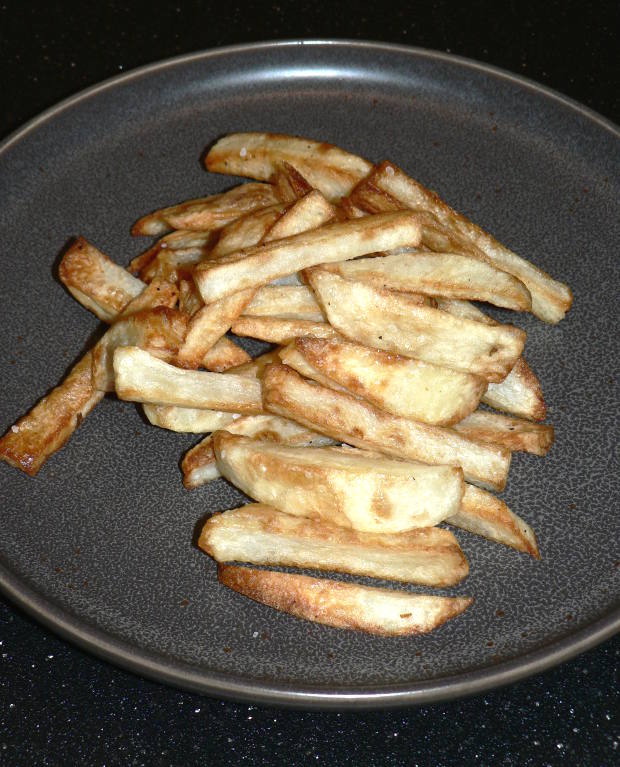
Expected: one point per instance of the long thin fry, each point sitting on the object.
(277, 330)
(358, 423)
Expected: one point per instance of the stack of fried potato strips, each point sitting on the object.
(362, 430)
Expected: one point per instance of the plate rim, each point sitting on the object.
(160, 668)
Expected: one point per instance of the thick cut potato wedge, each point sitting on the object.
(346, 418)
(390, 321)
(160, 331)
(484, 514)
(340, 241)
(396, 384)
(344, 486)
(208, 213)
(101, 285)
(140, 377)
(550, 299)
(520, 393)
(344, 605)
(199, 465)
(327, 168)
(262, 535)
(439, 274)
(188, 420)
(512, 433)
(291, 302)
(277, 330)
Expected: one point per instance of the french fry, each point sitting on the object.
(207, 213)
(96, 281)
(343, 486)
(277, 330)
(519, 393)
(254, 368)
(188, 419)
(182, 239)
(390, 321)
(348, 419)
(550, 299)
(224, 355)
(262, 535)
(484, 514)
(327, 168)
(512, 433)
(438, 274)
(260, 265)
(199, 465)
(140, 377)
(293, 302)
(289, 182)
(247, 231)
(160, 331)
(309, 212)
(344, 605)
(464, 310)
(208, 325)
(398, 385)
(172, 265)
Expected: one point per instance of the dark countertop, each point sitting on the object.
(58, 703)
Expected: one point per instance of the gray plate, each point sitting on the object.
(99, 545)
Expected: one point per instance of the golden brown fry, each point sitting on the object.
(309, 212)
(334, 242)
(246, 231)
(293, 302)
(160, 331)
(346, 418)
(343, 486)
(224, 355)
(276, 330)
(392, 322)
(188, 419)
(398, 385)
(208, 325)
(484, 514)
(289, 182)
(254, 368)
(262, 535)
(327, 168)
(512, 433)
(140, 377)
(199, 465)
(47, 427)
(550, 299)
(208, 213)
(96, 281)
(344, 605)
(438, 274)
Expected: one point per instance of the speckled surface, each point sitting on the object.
(67, 692)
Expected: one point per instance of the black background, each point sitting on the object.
(58, 704)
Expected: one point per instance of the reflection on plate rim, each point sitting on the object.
(146, 663)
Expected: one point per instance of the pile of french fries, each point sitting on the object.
(361, 431)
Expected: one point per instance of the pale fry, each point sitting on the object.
(343, 486)
(439, 274)
(277, 330)
(254, 368)
(188, 419)
(140, 377)
(199, 465)
(294, 302)
(262, 535)
(519, 393)
(484, 514)
(464, 309)
(186, 240)
(512, 433)
(224, 355)
(309, 212)
(103, 286)
(289, 182)
(344, 605)
(343, 417)
(392, 322)
(208, 325)
(333, 242)
(327, 168)
(398, 385)
(208, 213)
(160, 331)
(550, 299)
(246, 231)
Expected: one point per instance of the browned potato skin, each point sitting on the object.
(334, 603)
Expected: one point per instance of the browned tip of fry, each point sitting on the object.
(344, 605)
(149, 226)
